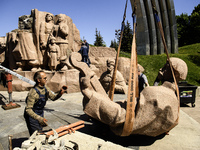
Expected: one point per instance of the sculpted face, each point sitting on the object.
(165, 73)
(60, 18)
(110, 67)
(28, 23)
(21, 25)
(179, 67)
(49, 17)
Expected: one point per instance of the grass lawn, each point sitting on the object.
(190, 54)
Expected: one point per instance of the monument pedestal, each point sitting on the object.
(55, 80)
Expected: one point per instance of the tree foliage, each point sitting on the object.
(99, 39)
(114, 44)
(126, 39)
(188, 27)
(195, 24)
(182, 29)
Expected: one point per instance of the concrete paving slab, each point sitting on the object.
(68, 110)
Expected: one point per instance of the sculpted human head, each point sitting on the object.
(28, 23)
(179, 67)
(49, 17)
(110, 64)
(61, 18)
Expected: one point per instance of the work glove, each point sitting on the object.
(63, 89)
(42, 121)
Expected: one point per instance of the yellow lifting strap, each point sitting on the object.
(133, 92)
(112, 85)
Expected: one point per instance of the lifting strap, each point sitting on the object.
(166, 51)
(112, 86)
(133, 92)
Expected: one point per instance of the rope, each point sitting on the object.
(168, 59)
(112, 86)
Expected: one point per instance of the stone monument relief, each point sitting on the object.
(45, 41)
(2, 48)
(30, 44)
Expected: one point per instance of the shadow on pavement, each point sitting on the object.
(17, 142)
(100, 130)
(184, 105)
(1, 99)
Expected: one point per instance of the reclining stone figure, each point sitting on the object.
(157, 110)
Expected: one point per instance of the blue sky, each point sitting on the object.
(105, 15)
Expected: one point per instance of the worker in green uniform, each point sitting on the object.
(36, 100)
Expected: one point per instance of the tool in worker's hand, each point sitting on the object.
(64, 88)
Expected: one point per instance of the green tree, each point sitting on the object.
(99, 39)
(182, 29)
(114, 44)
(127, 37)
(195, 24)
(188, 27)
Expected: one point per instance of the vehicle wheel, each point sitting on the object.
(193, 104)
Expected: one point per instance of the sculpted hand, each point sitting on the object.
(55, 27)
(43, 122)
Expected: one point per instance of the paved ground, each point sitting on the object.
(69, 110)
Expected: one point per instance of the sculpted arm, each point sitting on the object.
(64, 29)
(58, 52)
(42, 34)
